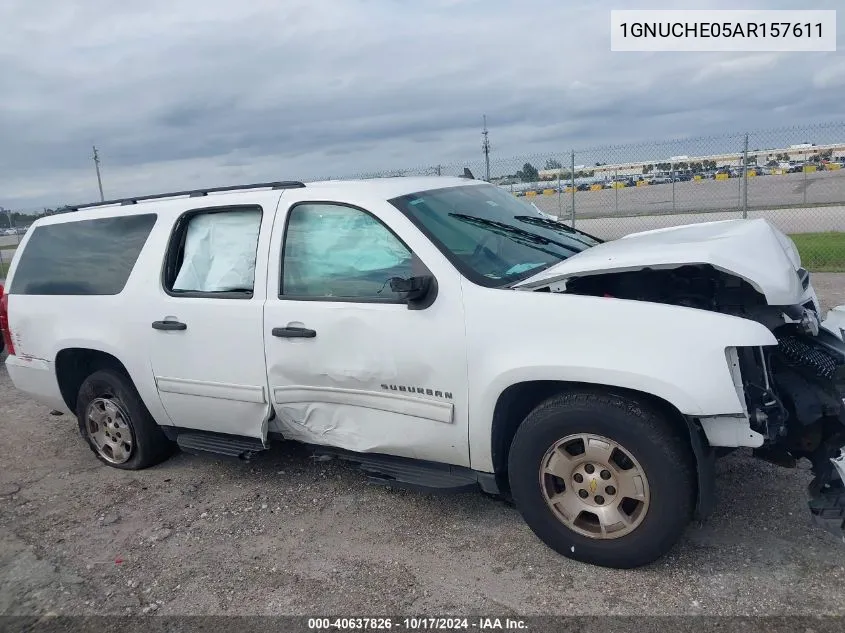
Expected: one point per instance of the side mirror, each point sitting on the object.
(418, 292)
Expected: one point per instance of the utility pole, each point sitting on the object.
(572, 183)
(485, 146)
(745, 179)
(96, 158)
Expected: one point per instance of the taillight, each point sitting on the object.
(4, 321)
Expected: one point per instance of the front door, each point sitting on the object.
(205, 324)
(349, 364)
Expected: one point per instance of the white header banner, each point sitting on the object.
(723, 31)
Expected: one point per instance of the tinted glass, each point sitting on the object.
(333, 251)
(90, 257)
(493, 238)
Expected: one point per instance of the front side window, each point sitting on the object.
(493, 238)
(214, 252)
(89, 257)
(339, 252)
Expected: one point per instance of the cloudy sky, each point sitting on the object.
(184, 93)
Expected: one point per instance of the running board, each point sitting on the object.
(196, 442)
(411, 474)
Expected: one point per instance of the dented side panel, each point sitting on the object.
(376, 377)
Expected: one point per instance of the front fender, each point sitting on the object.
(674, 353)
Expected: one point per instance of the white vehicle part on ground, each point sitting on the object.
(753, 250)
(675, 353)
(835, 322)
(839, 464)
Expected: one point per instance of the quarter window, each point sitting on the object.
(86, 257)
(338, 252)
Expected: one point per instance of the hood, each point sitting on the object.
(751, 249)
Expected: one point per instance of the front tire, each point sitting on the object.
(117, 425)
(602, 479)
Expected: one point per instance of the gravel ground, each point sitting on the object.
(288, 535)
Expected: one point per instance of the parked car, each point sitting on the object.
(443, 334)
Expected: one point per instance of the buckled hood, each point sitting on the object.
(753, 250)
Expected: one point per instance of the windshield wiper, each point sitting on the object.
(514, 233)
(554, 224)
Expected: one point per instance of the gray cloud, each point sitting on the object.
(193, 93)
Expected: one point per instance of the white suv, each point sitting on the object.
(442, 334)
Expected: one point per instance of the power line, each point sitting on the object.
(485, 146)
(97, 167)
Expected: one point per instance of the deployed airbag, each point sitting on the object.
(220, 252)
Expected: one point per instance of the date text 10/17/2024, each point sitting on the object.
(417, 624)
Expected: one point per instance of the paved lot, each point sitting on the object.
(288, 535)
(800, 220)
(764, 192)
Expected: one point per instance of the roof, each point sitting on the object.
(382, 187)
(395, 186)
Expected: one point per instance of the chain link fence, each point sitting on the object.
(793, 177)
(10, 238)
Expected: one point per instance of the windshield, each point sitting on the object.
(492, 237)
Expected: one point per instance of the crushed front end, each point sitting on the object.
(794, 396)
(793, 391)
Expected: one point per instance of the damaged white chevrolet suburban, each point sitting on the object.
(443, 335)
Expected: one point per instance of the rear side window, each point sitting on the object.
(213, 253)
(89, 257)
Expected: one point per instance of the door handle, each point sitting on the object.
(294, 332)
(169, 325)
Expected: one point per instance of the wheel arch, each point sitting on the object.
(74, 364)
(519, 399)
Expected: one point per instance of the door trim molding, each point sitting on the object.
(208, 389)
(393, 403)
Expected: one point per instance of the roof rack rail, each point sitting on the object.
(192, 193)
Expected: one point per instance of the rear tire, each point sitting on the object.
(629, 450)
(117, 425)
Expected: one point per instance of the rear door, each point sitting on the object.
(204, 322)
(348, 363)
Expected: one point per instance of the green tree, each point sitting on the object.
(552, 164)
(528, 173)
(647, 169)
